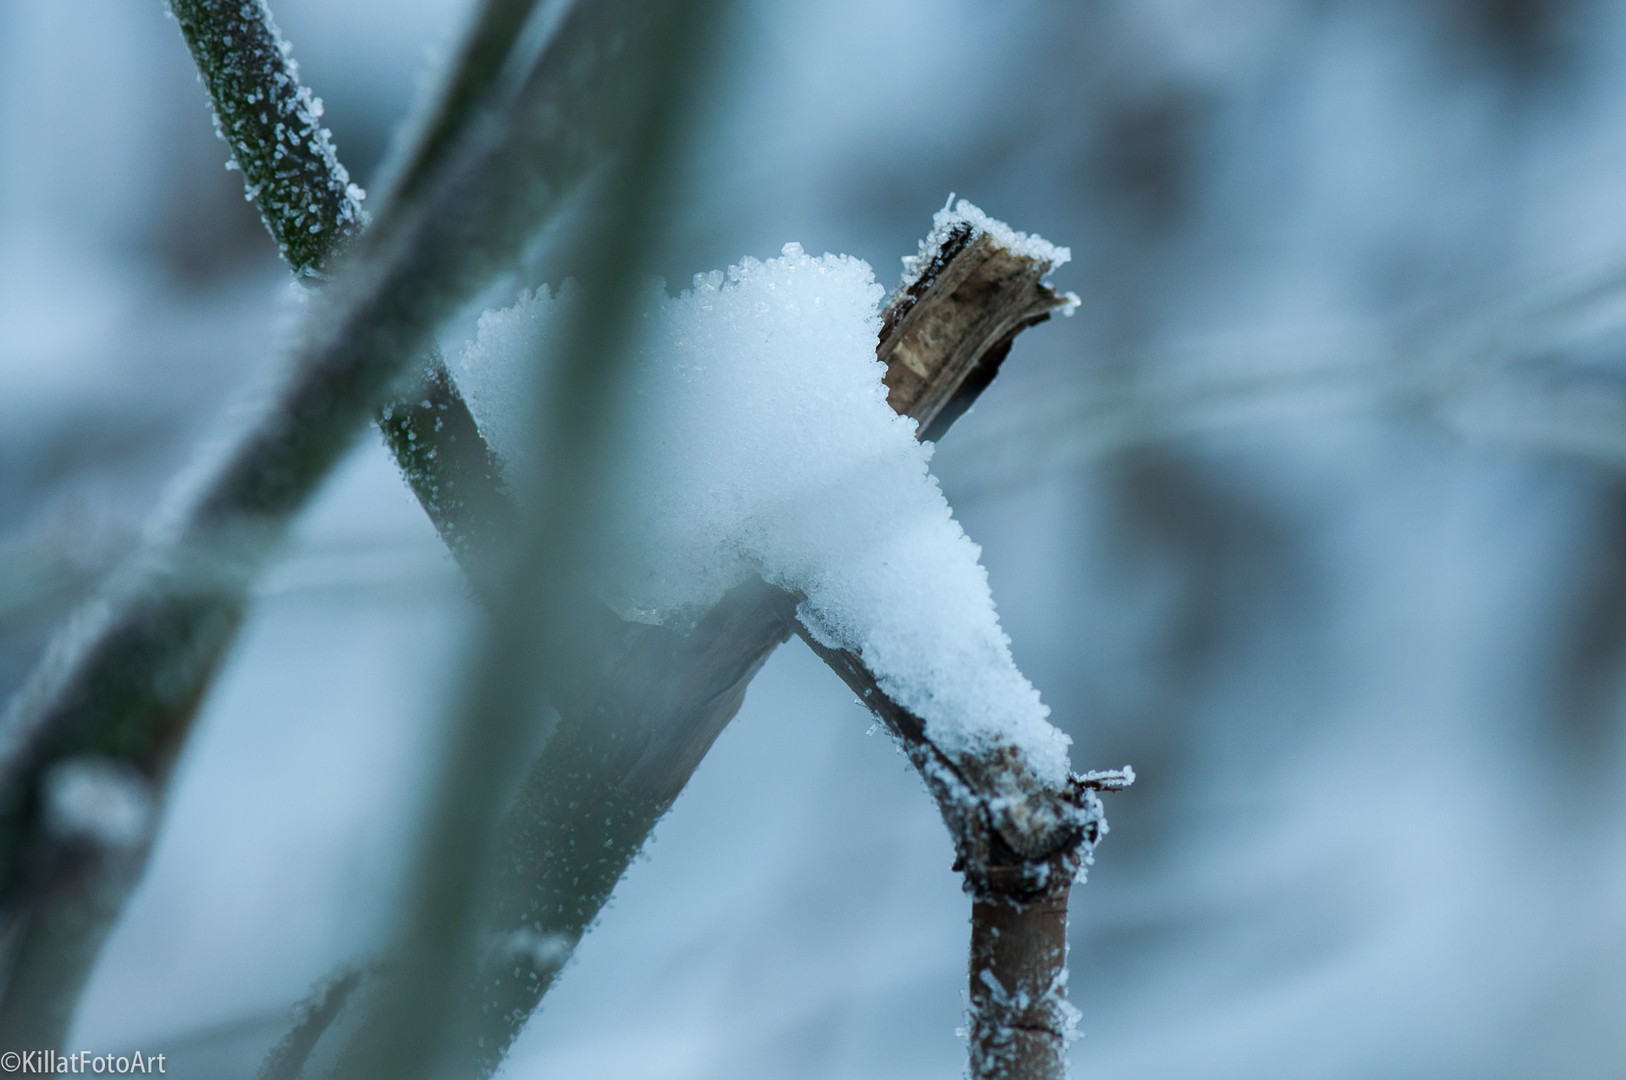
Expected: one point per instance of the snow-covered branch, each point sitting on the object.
(635, 725)
(638, 715)
(1020, 843)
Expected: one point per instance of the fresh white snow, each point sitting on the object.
(760, 442)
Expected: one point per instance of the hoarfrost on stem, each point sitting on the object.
(273, 124)
(962, 215)
(760, 442)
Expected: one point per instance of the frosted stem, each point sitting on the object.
(312, 1018)
(451, 470)
(1019, 1018)
(274, 127)
(533, 642)
(125, 678)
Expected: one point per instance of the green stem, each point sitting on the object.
(124, 680)
(532, 638)
(274, 127)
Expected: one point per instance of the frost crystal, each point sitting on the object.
(761, 443)
(273, 125)
(961, 216)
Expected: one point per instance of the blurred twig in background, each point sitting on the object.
(1541, 370)
(122, 684)
(420, 1019)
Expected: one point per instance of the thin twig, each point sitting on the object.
(1020, 845)
(452, 471)
(471, 87)
(312, 1018)
(656, 52)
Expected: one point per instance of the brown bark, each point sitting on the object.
(945, 334)
(1020, 1019)
(1020, 845)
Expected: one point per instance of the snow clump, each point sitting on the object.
(760, 443)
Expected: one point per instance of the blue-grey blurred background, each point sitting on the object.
(1313, 512)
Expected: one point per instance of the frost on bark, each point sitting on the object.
(1020, 844)
(432, 436)
(274, 127)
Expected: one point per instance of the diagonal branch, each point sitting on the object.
(432, 435)
(274, 127)
(123, 682)
(312, 1018)
(487, 52)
